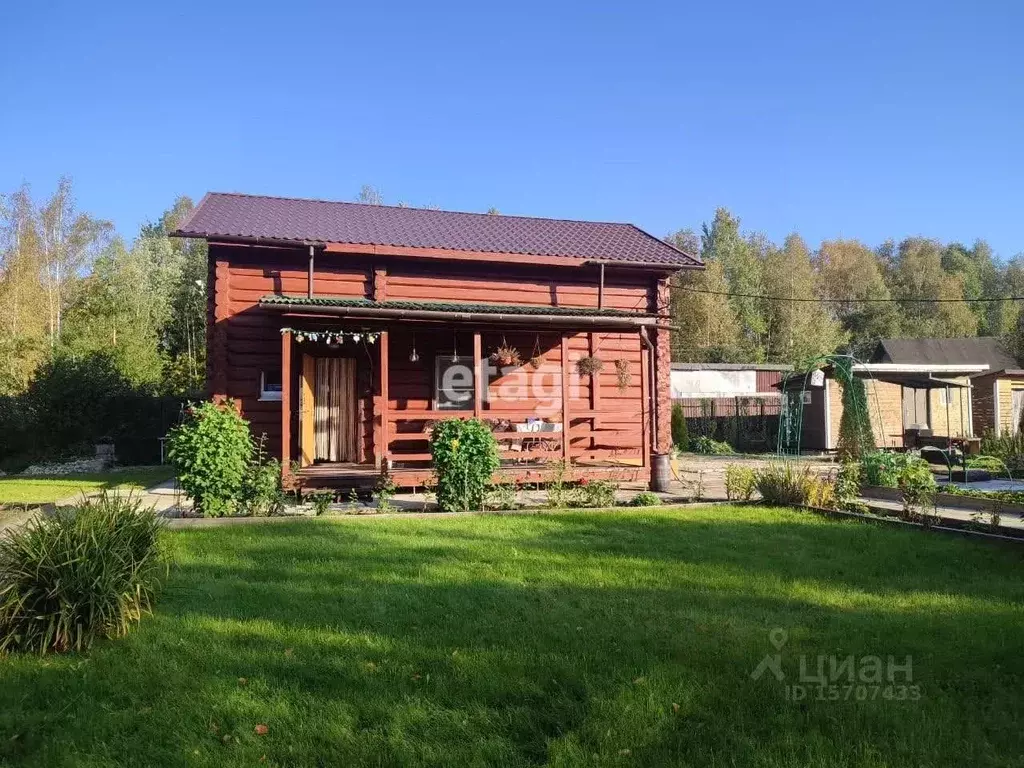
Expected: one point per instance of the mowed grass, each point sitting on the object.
(46, 489)
(582, 639)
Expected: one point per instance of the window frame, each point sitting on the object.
(445, 359)
(270, 395)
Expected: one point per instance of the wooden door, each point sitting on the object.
(306, 406)
(915, 408)
(334, 410)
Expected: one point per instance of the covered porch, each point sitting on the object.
(408, 365)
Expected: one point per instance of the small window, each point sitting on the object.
(453, 383)
(944, 397)
(270, 384)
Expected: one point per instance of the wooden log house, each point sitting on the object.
(342, 331)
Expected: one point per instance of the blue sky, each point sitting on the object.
(868, 120)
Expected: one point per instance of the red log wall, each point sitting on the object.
(244, 339)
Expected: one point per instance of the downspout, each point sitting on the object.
(309, 285)
(600, 289)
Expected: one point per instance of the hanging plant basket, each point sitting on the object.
(536, 357)
(622, 374)
(505, 356)
(589, 365)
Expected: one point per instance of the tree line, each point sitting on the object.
(757, 301)
(71, 289)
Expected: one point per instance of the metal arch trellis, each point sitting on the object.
(791, 416)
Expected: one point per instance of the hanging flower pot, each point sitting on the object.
(536, 357)
(622, 374)
(589, 365)
(505, 356)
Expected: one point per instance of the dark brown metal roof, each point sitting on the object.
(251, 217)
(981, 350)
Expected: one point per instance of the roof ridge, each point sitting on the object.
(434, 210)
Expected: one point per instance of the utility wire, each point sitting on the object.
(982, 300)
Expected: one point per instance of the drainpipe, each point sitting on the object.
(659, 462)
(600, 289)
(309, 286)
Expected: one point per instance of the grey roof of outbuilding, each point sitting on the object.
(253, 217)
(981, 350)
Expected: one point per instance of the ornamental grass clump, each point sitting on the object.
(88, 572)
(465, 455)
(212, 451)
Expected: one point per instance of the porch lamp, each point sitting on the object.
(413, 357)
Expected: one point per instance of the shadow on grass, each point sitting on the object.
(518, 641)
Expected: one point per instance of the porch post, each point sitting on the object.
(384, 411)
(565, 400)
(286, 404)
(647, 445)
(478, 385)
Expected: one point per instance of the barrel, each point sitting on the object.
(661, 472)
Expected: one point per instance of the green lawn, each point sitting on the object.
(45, 489)
(581, 639)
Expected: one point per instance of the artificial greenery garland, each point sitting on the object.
(331, 337)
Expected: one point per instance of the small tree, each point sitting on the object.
(680, 432)
(465, 455)
(211, 451)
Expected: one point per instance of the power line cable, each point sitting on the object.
(762, 297)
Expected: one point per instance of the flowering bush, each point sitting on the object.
(465, 455)
(211, 452)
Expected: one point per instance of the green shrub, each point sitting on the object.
(1007, 497)
(784, 484)
(680, 432)
(384, 490)
(322, 500)
(596, 493)
(891, 470)
(211, 451)
(988, 463)
(87, 572)
(848, 486)
(504, 495)
(261, 493)
(557, 488)
(645, 499)
(465, 455)
(711, 447)
(1008, 448)
(739, 482)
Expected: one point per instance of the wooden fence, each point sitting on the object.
(746, 423)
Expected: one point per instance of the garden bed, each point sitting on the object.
(951, 500)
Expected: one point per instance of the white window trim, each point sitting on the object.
(270, 395)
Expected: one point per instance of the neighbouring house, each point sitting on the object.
(736, 402)
(996, 395)
(919, 391)
(343, 331)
